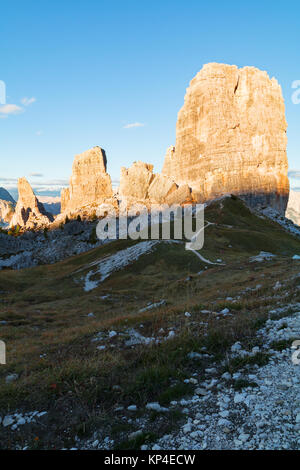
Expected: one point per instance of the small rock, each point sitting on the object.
(134, 435)
(225, 311)
(132, 408)
(236, 347)
(7, 421)
(211, 370)
(193, 381)
(226, 376)
(156, 407)
(187, 428)
(239, 398)
(11, 378)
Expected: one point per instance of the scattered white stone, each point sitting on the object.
(132, 408)
(262, 256)
(236, 347)
(171, 335)
(135, 434)
(151, 306)
(136, 338)
(193, 381)
(7, 421)
(11, 378)
(225, 311)
(226, 376)
(112, 334)
(194, 355)
(239, 398)
(187, 428)
(155, 406)
(211, 370)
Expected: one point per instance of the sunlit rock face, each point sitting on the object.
(139, 184)
(231, 137)
(7, 206)
(90, 184)
(135, 181)
(64, 199)
(29, 212)
(7, 209)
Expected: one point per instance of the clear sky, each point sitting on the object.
(84, 71)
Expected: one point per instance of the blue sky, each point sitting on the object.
(81, 71)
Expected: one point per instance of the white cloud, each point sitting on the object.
(37, 175)
(134, 124)
(39, 133)
(10, 109)
(27, 101)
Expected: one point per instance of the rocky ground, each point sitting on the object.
(264, 414)
(34, 248)
(164, 350)
(256, 407)
(47, 247)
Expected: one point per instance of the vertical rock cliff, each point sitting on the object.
(231, 137)
(29, 212)
(90, 184)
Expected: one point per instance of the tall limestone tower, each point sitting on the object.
(231, 137)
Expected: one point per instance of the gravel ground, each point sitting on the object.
(266, 416)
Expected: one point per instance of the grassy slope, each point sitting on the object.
(47, 312)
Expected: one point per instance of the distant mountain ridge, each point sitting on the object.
(5, 196)
(51, 203)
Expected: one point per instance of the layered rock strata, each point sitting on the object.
(29, 212)
(90, 184)
(231, 137)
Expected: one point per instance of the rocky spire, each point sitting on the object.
(29, 212)
(90, 184)
(231, 137)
